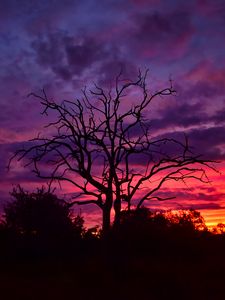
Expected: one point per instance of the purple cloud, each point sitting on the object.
(67, 56)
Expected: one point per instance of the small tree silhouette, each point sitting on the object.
(142, 223)
(95, 144)
(189, 219)
(219, 228)
(40, 215)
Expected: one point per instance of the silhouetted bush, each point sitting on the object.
(148, 231)
(147, 251)
(187, 220)
(41, 221)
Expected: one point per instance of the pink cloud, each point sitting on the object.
(207, 71)
(210, 8)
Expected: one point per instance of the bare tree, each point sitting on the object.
(95, 142)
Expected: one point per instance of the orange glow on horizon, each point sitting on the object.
(212, 217)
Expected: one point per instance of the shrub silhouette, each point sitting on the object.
(219, 229)
(186, 220)
(143, 224)
(41, 216)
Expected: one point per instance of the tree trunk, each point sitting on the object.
(106, 224)
(117, 209)
(128, 205)
(106, 219)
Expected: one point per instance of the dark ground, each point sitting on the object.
(112, 269)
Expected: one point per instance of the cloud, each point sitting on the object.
(208, 72)
(82, 56)
(211, 9)
(207, 138)
(202, 89)
(161, 34)
(207, 141)
(110, 69)
(185, 115)
(219, 116)
(191, 198)
(66, 55)
(202, 140)
(182, 115)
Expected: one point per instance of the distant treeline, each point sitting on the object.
(46, 253)
(40, 221)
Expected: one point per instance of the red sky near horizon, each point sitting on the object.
(63, 45)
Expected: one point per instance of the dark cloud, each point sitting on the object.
(205, 138)
(194, 197)
(206, 189)
(48, 49)
(190, 114)
(67, 56)
(208, 142)
(161, 34)
(183, 203)
(183, 114)
(15, 176)
(157, 25)
(201, 89)
(203, 206)
(4, 153)
(219, 116)
(82, 56)
(110, 69)
(211, 9)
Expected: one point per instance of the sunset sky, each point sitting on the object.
(62, 46)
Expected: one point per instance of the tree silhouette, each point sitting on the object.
(142, 221)
(190, 220)
(40, 214)
(95, 143)
(219, 228)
